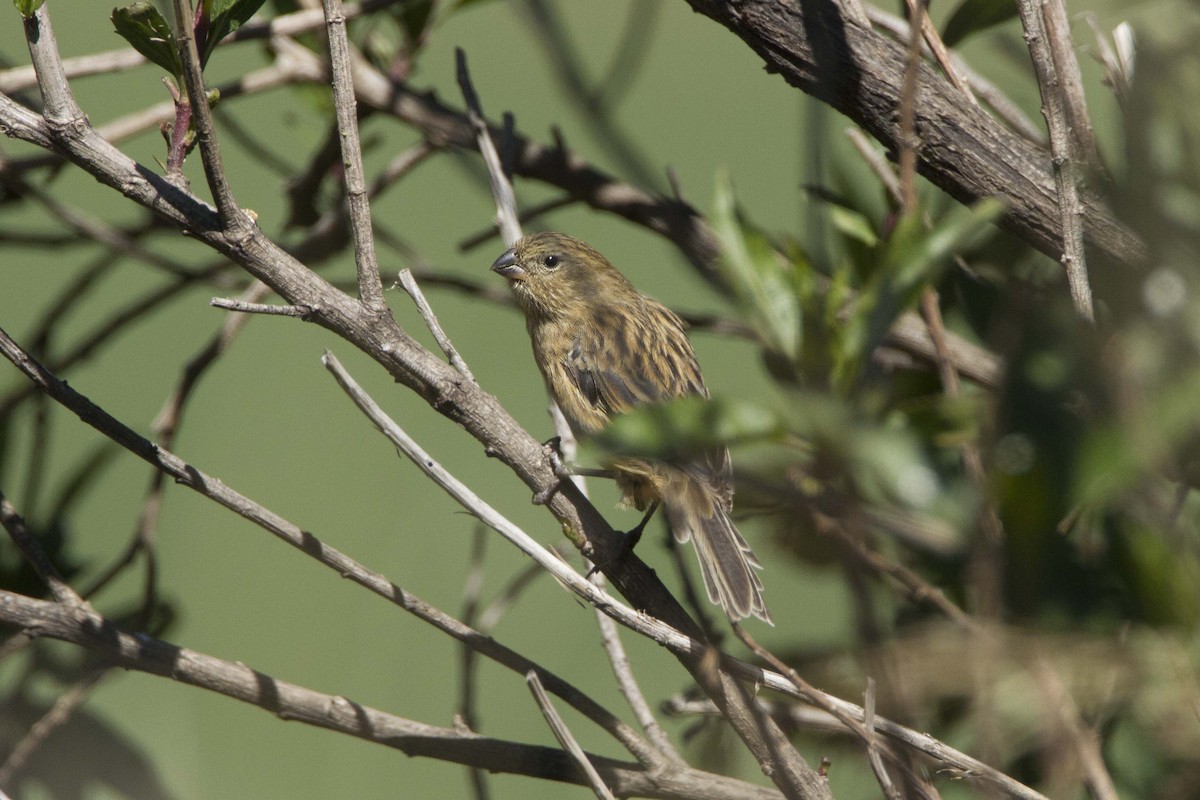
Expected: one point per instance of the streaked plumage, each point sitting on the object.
(604, 348)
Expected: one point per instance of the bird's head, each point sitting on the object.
(553, 274)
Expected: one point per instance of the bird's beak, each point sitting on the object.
(506, 265)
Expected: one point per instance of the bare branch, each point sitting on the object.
(202, 121)
(60, 109)
(1082, 739)
(628, 685)
(35, 555)
(566, 739)
(506, 201)
(299, 704)
(873, 755)
(370, 288)
(409, 283)
(235, 304)
(1070, 83)
(965, 152)
(1070, 209)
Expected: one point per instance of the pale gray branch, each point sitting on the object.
(1070, 209)
(270, 309)
(506, 202)
(291, 702)
(202, 120)
(370, 287)
(566, 739)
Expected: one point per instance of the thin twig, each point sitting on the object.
(629, 688)
(1083, 739)
(907, 137)
(677, 642)
(819, 699)
(873, 756)
(563, 734)
(469, 243)
(1070, 82)
(552, 35)
(933, 40)
(270, 309)
(58, 102)
(63, 709)
(472, 588)
(406, 280)
(202, 121)
(1070, 210)
(370, 287)
(35, 555)
(506, 201)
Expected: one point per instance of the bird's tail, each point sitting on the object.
(727, 563)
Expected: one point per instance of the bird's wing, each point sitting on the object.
(634, 359)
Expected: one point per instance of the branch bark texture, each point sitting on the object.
(964, 151)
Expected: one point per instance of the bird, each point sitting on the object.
(603, 348)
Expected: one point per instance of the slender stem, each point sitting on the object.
(566, 738)
(506, 201)
(370, 287)
(231, 216)
(1070, 209)
(35, 555)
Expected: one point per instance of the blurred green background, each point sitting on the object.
(268, 420)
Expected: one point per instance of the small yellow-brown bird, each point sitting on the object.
(604, 348)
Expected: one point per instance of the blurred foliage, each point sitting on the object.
(1090, 449)
(858, 459)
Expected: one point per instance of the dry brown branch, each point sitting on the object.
(202, 120)
(35, 555)
(1071, 210)
(629, 687)
(566, 738)
(680, 644)
(370, 288)
(963, 151)
(299, 704)
(1083, 739)
(1070, 83)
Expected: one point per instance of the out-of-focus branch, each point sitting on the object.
(963, 150)
(35, 555)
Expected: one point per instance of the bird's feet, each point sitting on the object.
(553, 450)
(630, 538)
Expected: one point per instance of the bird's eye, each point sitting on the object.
(551, 261)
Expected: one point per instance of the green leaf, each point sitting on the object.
(685, 427)
(28, 7)
(148, 32)
(912, 259)
(225, 17)
(853, 225)
(973, 16)
(761, 278)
